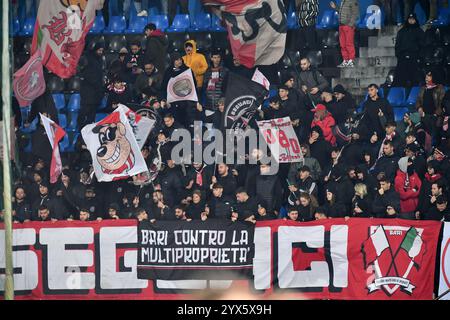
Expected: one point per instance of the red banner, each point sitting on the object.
(379, 259)
(370, 259)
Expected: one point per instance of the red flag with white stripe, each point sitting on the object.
(55, 134)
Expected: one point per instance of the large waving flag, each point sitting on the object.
(28, 82)
(242, 98)
(182, 88)
(60, 32)
(55, 134)
(256, 29)
(115, 152)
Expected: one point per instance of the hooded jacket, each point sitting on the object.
(156, 50)
(407, 186)
(326, 124)
(197, 62)
(409, 40)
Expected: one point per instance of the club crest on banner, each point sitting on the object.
(393, 252)
(182, 88)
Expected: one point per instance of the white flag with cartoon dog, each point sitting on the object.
(115, 152)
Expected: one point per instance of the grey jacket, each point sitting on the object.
(311, 162)
(348, 12)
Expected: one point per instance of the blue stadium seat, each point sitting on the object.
(200, 22)
(28, 27)
(443, 18)
(99, 25)
(412, 98)
(397, 96)
(60, 101)
(117, 25)
(292, 21)
(64, 144)
(100, 116)
(73, 118)
(15, 26)
(161, 21)
(62, 118)
(32, 126)
(73, 143)
(74, 102)
(137, 25)
(399, 112)
(180, 23)
(216, 25)
(329, 20)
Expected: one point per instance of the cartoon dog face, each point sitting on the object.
(114, 153)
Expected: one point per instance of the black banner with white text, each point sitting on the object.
(215, 249)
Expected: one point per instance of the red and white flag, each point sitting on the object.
(182, 88)
(28, 82)
(115, 152)
(260, 78)
(55, 134)
(256, 29)
(60, 32)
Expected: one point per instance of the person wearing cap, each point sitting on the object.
(348, 16)
(288, 79)
(43, 198)
(409, 42)
(325, 121)
(220, 205)
(342, 105)
(288, 105)
(92, 203)
(156, 47)
(215, 80)
(407, 185)
(91, 90)
(304, 183)
(150, 79)
(308, 161)
(439, 212)
(310, 82)
(412, 151)
(196, 61)
(169, 179)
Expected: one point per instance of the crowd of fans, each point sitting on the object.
(354, 164)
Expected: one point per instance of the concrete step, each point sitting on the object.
(376, 62)
(358, 83)
(389, 30)
(376, 52)
(364, 72)
(382, 42)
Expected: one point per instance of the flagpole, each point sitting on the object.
(6, 99)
